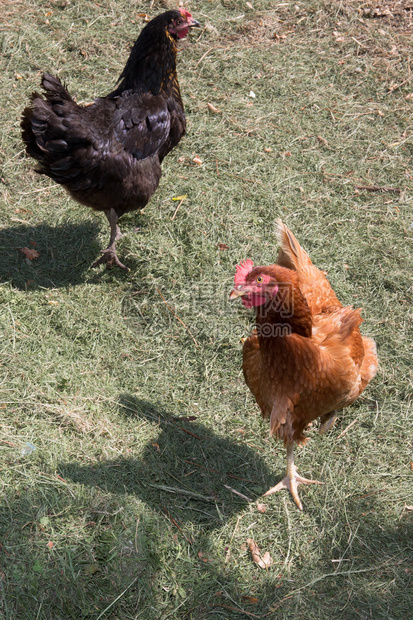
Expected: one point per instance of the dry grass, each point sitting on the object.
(129, 385)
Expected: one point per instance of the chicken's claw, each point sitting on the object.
(291, 483)
(292, 479)
(110, 258)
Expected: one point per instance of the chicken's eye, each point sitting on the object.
(178, 22)
(259, 279)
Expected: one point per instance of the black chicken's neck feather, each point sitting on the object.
(151, 66)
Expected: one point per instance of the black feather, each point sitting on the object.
(108, 154)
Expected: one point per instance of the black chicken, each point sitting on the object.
(108, 155)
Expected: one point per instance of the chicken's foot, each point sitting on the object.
(109, 254)
(292, 479)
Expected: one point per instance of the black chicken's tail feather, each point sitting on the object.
(55, 91)
(28, 121)
(44, 130)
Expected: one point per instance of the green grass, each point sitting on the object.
(142, 421)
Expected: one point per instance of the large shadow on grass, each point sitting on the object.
(65, 253)
(184, 473)
(187, 469)
(113, 561)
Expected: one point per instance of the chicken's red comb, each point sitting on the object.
(243, 270)
(186, 14)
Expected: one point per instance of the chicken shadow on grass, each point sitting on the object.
(187, 468)
(65, 253)
(117, 554)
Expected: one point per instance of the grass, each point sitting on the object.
(129, 385)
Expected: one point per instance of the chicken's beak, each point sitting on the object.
(194, 24)
(237, 292)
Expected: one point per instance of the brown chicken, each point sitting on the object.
(108, 155)
(306, 358)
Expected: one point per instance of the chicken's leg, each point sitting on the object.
(327, 422)
(109, 254)
(292, 479)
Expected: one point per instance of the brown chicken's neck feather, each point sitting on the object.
(288, 312)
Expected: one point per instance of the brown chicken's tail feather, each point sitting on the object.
(291, 254)
(313, 282)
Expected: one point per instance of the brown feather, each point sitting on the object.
(321, 363)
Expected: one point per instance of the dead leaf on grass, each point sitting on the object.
(222, 247)
(263, 561)
(262, 508)
(267, 559)
(197, 160)
(29, 253)
(250, 599)
(213, 108)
